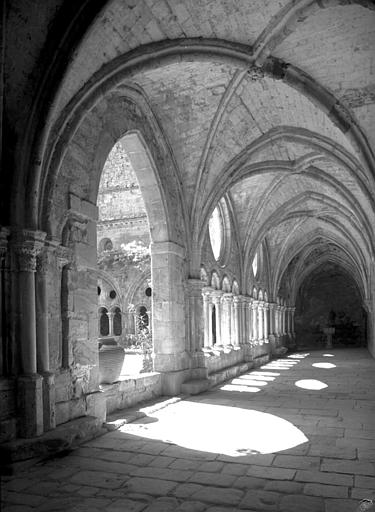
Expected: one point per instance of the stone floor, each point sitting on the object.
(296, 435)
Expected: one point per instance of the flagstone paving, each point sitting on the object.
(295, 435)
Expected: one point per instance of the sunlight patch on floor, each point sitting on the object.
(311, 384)
(240, 388)
(324, 365)
(222, 429)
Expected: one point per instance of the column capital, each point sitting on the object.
(4, 234)
(271, 306)
(63, 255)
(27, 245)
(254, 304)
(195, 287)
(227, 297)
(216, 295)
(237, 299)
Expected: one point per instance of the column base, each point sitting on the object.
(49, 412)
(171, 382)
(30, 405)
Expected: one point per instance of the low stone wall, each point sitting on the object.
(218, 358)
(130, 391)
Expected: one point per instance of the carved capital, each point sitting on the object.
(27, 245)
(4, 233)
(63, 255)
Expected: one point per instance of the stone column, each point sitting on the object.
(49, 421)
(210, 335)
(244, 319)
(226, 301)
(254, 307)
(292, 312)
(30, 402)
(207, 312)
(168, 315)
(249, 322)
(63, 259)
(260, 322)
(284, 319)
(216, 299)
(110, 323)
(265, 318)
(236, 320)
(4, 363)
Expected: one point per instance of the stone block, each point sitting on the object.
(96, 405)
(219, 495)
(63, 386)
(324, 478)
(7, 398)
(301, 503)
(30, 403)
(271, 472)
(153, 486)
(329, 491)
(8, 430)
(62, 412)
(352, 467)
(261, 500)
(214, 479)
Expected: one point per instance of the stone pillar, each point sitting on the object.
(260, 322)
(49, 421)
(168, 315)
(216, 299)
(226, 301)
(207, 313)
(265, 318)
(271, 307)
(254, 307)
(196, 321)
(27, 245)
(277, 320)
(236, 320)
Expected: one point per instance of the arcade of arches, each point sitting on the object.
(250, 128)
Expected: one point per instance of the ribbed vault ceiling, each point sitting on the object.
(293, 176)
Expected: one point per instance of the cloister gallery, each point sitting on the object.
(244, 133)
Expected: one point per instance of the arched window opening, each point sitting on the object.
(103, 322)
(213, 323)
(124, 254)
(255, 264)
(215, 229)
(117, 322)
(143, 319)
